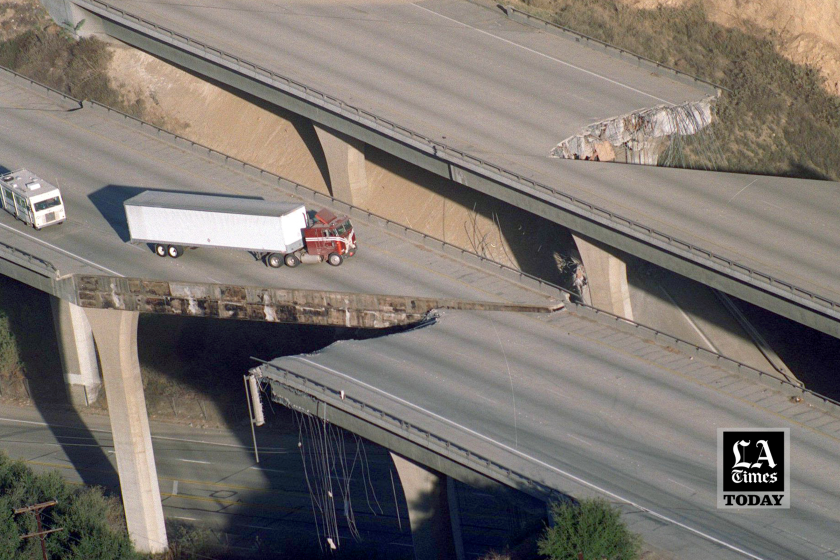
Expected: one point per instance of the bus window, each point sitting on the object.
(46, 204)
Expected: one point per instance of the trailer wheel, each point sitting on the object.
(335, 259)
(175, 251)
(160, 250)
(291, 260)
(274, 260)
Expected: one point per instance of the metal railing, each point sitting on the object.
(29, 257)
(480, 166)
(340, 400)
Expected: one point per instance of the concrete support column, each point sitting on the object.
(346, 164)
(429, 516)
(606, 275)
(115, 333)
(78, 352)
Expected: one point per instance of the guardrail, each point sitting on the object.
(352, 210)
(481, 167)
(708, 356)
(29, 257)
(341, 400)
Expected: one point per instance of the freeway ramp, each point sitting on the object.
(570, 404)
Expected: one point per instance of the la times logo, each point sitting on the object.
(754, 468)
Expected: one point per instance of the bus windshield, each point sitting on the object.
(46, 204)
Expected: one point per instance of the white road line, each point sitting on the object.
(683, 485)
(267, 450)
(563, 62)
(267, 470)
(60, 250)
(185, 518)
(580, 440)
(194, 461)
(533, 459)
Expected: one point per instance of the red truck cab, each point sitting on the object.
(328, 237)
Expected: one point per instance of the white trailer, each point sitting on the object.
(172, 221)
(30, 199)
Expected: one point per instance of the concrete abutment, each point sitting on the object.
(115, 333)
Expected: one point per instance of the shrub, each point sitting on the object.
(9, 356)
(84, 515)
(592, 528)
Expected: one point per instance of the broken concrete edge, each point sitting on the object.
(770, 380)
(637, 131)
(390, 431)
(225, 301)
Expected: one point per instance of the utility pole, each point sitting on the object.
(36, 508)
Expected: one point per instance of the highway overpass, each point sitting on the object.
(580, 404)
(99, 158)
(101, 282)
(474, 96)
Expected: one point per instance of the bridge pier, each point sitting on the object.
(115, 333)
(606, 275)
(430, 497)
(346, 164)
(77, 351)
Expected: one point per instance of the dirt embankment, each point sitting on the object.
(808, 30)
(286, 144)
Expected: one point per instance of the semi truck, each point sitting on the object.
(276, 232)
(31, 200)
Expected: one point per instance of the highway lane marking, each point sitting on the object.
(683, 485)
(194, 461)
(267, 450)
(533, 459)
(185, 518)
(579, 439)
(563, 62)
(267, 470)
(60, 250)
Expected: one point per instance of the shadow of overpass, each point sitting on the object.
(30, 322)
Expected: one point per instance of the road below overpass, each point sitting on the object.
(584, 408)
(468, 78)
(209, 479)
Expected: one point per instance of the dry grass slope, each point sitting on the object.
(779, 118)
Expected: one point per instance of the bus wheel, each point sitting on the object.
(275, 260)
(175, 251)
(335, 259)
(291, 260)
(160, 250)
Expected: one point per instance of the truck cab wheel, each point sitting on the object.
(335, 259)
(160, 250)
(274, 260)
(291, 260)
(175, 251)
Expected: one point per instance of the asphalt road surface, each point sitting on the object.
(98, 162)
(587, 409)
(209, 479)
(467, 77)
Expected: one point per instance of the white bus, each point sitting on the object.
(30, 199)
